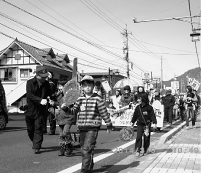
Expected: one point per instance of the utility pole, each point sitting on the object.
(161, 72)
(125, 49)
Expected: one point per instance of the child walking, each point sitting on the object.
(90, 110)
(65, 121)
(145, 116)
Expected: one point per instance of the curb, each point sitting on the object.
(164, 138)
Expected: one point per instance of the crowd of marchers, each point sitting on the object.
(45, 99)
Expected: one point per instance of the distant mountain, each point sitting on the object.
(183, 79)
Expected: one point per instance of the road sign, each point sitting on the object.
(175, 85)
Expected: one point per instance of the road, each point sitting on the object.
(16, 154)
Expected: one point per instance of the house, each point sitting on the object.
(18, 63)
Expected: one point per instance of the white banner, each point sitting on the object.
(193, 82)
(123, 119)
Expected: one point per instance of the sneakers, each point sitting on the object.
(51, 133)
(68, 150)
(194, 127)
(61, 151)
(36, 151)
(187, 127)
(137, 155)
(145, 153)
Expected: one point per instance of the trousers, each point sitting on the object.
(88, 142)
(140, 133)
(35, 131)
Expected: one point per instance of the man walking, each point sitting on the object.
(169, 101)
(37, 93)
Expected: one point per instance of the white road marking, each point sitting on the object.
(105, 155)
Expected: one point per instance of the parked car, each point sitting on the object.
(3, 108)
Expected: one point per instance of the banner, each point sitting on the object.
(120, 119)
(106, 86)
(123, 118)
(159, 112)
(193, 82)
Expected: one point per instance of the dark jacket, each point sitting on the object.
(126, 99)
(148, 114)
(138, 95)
(190, 102)
(53, 89)
(64, 117)
(35, 94)
(168, 101)
(181, 104)
(3, 107)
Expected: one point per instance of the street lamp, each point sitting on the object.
(173, 18)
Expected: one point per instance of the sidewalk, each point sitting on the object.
(181, 153)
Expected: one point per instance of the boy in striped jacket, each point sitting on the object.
(90, 110)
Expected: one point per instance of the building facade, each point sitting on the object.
(18, 64)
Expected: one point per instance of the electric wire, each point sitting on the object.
(110, 12)
(97, 65)
(55, 39)
(165, 9)
(106, 16)
(26, 12)
(78, 37)
(99, 14)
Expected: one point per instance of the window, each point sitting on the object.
(24, 73)
(8, 74)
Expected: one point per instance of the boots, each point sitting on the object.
(62, 150)
(68, 149)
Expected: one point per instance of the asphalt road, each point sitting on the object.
(16, 154)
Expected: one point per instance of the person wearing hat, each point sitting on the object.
(140, 91)
(37, 92)
(127, 97)
(90, 110)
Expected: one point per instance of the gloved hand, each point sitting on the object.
(63, 106)
(43, 102)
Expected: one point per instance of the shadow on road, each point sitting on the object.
(116, 168)
(11, 129)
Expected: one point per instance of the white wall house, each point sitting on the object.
(18, 63)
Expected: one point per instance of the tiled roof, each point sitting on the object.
(39, 55)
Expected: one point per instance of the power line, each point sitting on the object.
(80, 38)
(163, 46)
(110, 12)
(98, 13)
(62, 17)
(97, 67)
(165, 9)
(62, 43)
(154, 52)
(60, 29)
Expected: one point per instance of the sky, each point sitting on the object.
(91, 30)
